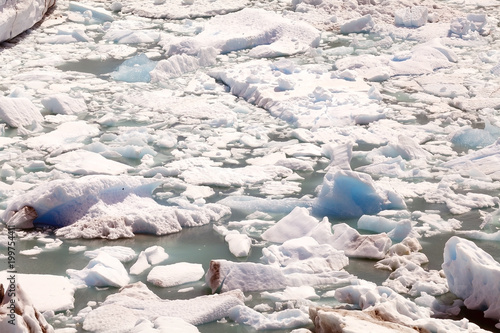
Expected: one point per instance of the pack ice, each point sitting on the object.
(339, 160)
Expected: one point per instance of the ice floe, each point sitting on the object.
(175, 274)
(120, 309)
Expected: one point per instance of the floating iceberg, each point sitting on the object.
(109, 207)
(472, 275)
(102, 271)
(347, 193)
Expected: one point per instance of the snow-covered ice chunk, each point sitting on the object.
(305, 255)
(392, 307)
(246, 276)
(17, 312)
(64, 104)
(182, 9)
(121, 310)
(415, 16)
(356, 245)
(474, 138)
(20, 111)
(291, 293)
(135, 69)
(239, 244)
(84, 162)
(173, 67)
(362, 24)
(347, 193)
(286, 319)
(151, 256)
(16, 17)
(95, 12)
(338, 320)
(472, 275)
(109, 207)
(69, 134)
(175, 274)
(102, 271)
(296, 224)
(485, 159)
(46, 292)
(267, 33)
(122, 253)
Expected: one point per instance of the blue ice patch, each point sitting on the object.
(135, 69)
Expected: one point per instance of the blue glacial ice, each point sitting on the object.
(135, 69)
